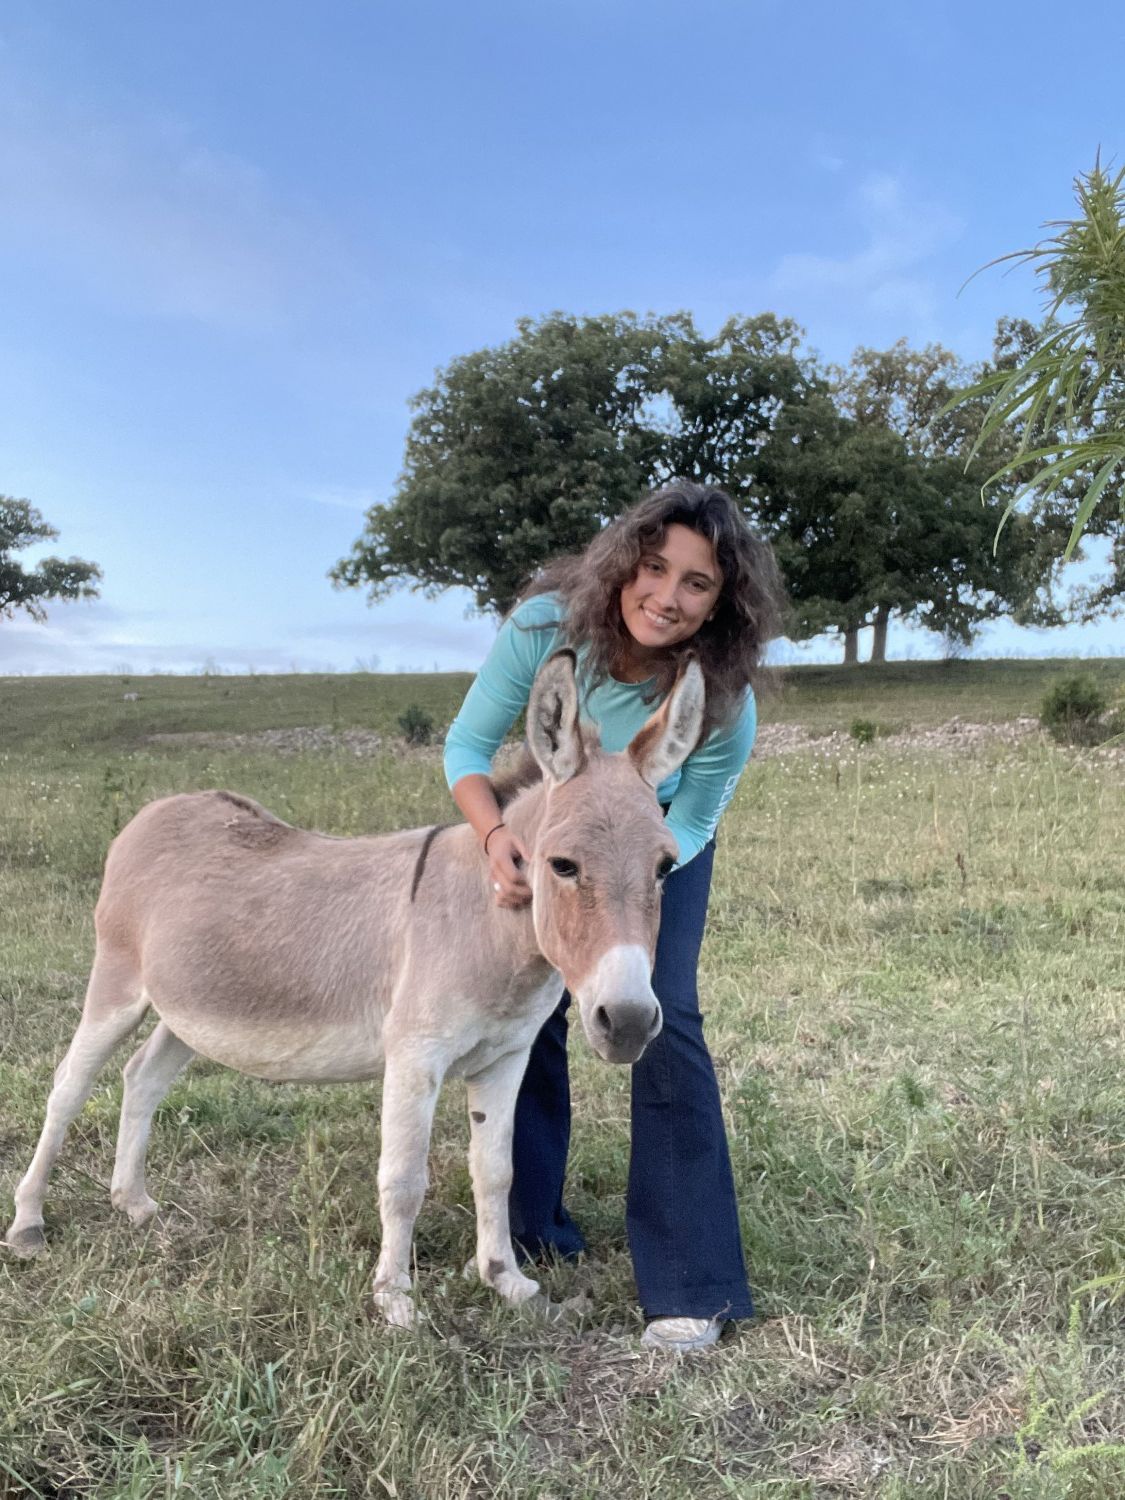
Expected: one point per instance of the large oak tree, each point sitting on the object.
(525, 450)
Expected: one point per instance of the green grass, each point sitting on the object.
(923, 693)
(915, 984)
(65, 712)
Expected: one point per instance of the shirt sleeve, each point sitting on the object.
(708, 781)
(501, 688)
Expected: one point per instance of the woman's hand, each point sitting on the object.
(507, 864)
(507, 858)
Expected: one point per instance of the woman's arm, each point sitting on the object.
(708, 781)
(498, 695)
(501, 688)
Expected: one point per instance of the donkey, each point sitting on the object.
(291, 955)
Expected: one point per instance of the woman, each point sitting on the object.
(681, 573)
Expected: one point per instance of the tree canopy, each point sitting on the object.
(520, 452)
(866, 480)
(875, 505)
(21, 526)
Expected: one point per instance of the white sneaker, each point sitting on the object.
(682, 1335)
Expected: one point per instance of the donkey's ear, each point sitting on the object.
(552, 719)
(663, 744)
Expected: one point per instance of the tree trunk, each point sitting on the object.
(879, 638)
(851, 645)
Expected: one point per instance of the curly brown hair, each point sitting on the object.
(747, 616)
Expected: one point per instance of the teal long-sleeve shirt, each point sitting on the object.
(695, 795)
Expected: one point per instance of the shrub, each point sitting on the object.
(863, 731)
(416, 725)
(1073, 709)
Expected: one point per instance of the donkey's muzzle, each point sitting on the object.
(620, 1032)
(620, 1013)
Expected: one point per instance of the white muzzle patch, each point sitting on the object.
(620, 1012)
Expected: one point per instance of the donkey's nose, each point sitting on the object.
(623, 1030)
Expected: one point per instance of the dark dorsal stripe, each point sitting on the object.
(420, 862)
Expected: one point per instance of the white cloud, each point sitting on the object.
(341, 498)
(406, 632)
(886, 276)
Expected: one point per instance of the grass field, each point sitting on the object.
(915, 984)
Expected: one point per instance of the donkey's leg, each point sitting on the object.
(105, 1022)
(149, 1074)
(410, 1091)
(492, 1105)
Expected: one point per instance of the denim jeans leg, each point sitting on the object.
(682, 1213)
(541, 1140)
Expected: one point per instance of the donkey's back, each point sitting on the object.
(262, 946)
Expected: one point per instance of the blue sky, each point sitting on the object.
(240, 235)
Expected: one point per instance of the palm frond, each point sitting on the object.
(1066, 402)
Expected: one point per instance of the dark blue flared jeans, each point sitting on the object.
(681, 1213)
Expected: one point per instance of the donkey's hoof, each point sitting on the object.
(26, 1242)
(137, 1210)
(392, 1299)
(514, 1287)
(395, 1308)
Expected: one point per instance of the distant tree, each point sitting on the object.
(1064, 401)
(908, 391)
(21, 525)
(873, 513)
(523, 451)
(824, 491)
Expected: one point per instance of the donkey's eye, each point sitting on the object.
(665, 867)
(565, 869)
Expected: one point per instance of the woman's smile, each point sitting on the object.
(672, 594)
(658, 618)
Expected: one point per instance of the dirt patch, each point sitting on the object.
(301, 740)
(956, 735)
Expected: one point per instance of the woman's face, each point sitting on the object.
(673, 592)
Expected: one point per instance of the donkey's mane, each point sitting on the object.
(524, 772)
(507, 784)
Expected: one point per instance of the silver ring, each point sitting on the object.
(496, 886)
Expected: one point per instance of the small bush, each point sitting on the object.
(863, 731)
(416, 725)
(1072, 710)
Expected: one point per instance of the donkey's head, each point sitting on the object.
(601, 853)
